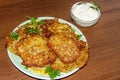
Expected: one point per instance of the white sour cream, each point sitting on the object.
(84, 12)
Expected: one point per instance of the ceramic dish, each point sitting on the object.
(16, 60)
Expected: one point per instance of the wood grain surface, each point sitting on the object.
(103, 38)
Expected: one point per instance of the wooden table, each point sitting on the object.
(103, 38)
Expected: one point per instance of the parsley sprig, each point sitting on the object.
(41, 22)
(33, 20)
(14, 35)
(79, 36)
(95, 6)
(35, 24)
(32, 30)
(52, 73)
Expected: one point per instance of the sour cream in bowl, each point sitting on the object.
(85, 14)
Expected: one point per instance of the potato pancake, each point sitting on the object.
(34, 51)
(63, 29)
(78, 63)
(65, 48)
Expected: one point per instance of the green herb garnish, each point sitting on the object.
(95, 6)
(14, 35)
(35, 24)
(52, 73)
(33, 21)
(41, 22)
(79, 36)
(32, 30)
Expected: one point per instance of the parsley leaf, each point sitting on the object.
(33, 21)
(41, 22)
(79, 36)
(32, 30)
(14, 35)
(95, 6)
(52, 73)
(35, 24)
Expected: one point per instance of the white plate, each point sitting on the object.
(16, 60)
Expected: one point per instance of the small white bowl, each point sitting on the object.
(82, 22)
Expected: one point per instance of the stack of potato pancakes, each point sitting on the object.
(48, 42)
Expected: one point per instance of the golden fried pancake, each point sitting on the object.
(62, 29)
(65, 48)
(34, 51)
(80, 62)
(11, 43)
